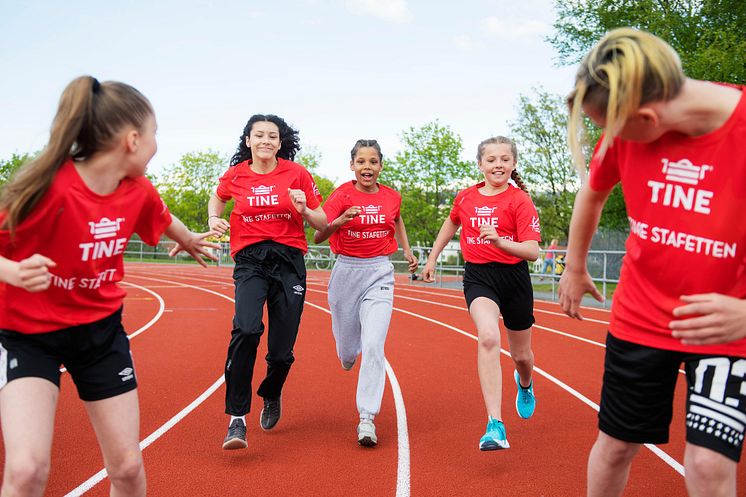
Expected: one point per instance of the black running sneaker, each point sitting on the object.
(270, 414)
(236, 438)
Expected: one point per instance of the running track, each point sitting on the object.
(432, 416)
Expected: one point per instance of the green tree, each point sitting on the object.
(546, 165)
(10, 166)
(428, 172)
(709, 35)
(544, 160)
(187, 186)
(311, 159)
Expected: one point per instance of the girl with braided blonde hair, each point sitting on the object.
(677, 147)
(499, 233)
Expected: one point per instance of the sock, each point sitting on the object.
(242, 418)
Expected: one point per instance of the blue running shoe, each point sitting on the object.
(494, 438)
(525, 401)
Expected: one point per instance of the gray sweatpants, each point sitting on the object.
(361, 296)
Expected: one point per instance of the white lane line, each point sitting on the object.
(402, 472)
(656, 450)
(402, 486)
(161, 308)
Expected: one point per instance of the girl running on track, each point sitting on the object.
(364, 232)
(65, 220)
(499, 233)
(677, 146)
(273, 196)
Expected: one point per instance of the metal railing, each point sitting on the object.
(603, 266)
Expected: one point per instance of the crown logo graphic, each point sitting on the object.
(371, 209)
(262, 190)
(484, 211)
(684, 171)
(105, 228)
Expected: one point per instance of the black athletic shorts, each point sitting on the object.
(508, 285)
(97, 356)
(638, 391)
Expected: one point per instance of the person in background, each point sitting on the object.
(499, 233)
(677, 146)
(549, 258)
(273, 196)
(65, 220)
(366, 224)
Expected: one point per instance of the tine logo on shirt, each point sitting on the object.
(680, 188)
(483, 216)
(263, 196)
(372, 215)
(105, 243)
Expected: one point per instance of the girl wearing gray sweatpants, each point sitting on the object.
(364, 232)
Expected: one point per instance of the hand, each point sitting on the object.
(412, 261)
(719, 319)
(298, 199)
(488, 232)
(428, 272)
(572, 286)
(197, 247)
(33, 273)
(348, 215)
(218, 225)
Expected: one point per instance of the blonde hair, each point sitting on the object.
(498, 140)
(627, 68)
(89, 116)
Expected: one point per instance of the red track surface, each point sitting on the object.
(313, 450)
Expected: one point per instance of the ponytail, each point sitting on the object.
(88, 117)
(625, 70)
(518, 180)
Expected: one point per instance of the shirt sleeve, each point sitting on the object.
(154, 217)
(604, 172)
(223, 192)
(308, 185)
(334, 205)
(454, 215)
(527, 219)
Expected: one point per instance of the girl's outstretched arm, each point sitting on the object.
(192, 243)
(445, 235)
(576, 281)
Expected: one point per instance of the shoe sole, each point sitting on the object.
(235, 443)
(487, 446)
(367, 441)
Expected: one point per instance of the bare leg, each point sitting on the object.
(485, 313)
(608, 466)
(27, 408)
(708, 473)
(116, 422)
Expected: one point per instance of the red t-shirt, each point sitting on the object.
(86, 235)
(686, 198)
(511, 212)
(263, 210)
(372, 232)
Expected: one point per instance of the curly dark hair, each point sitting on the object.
(289, 141)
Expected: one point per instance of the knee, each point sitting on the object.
(618, 453)
(523, 358)
(489, 338)
(127, 473)
(26, 475)
(705, 468)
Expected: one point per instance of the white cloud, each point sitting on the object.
(389, 10)
(465, 42)
(514, 28)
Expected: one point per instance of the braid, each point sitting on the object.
(518, 180)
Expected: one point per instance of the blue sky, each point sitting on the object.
(337, 70)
